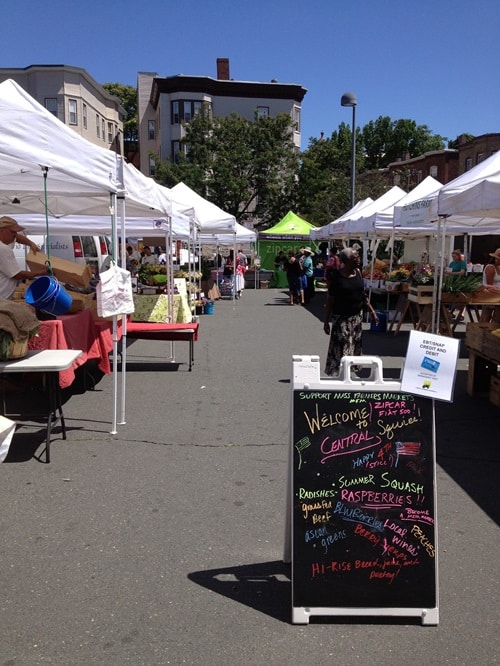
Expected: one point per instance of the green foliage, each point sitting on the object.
(251, 169)
(464, 137)
(464, 284)
(247, 168)
(324, 176)
(128, 98)
(385, 141)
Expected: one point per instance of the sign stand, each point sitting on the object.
(360, 530)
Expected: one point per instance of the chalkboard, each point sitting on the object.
(363, 507)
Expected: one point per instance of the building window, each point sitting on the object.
(433, 171)
(468, 163)
(262, 111)
(103, 125)
(419, 176)
(110, 133)
(97, 126)
(175, 113)
(84, 116)
(51, 105)
(296, 118)
(152, 165)
(73, 117)
(151, 130)
(185, 110)
(479, 157)
(178, 148)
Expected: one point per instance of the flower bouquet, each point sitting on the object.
(422, 275)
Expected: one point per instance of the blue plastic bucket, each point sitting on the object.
(382, 323)
(209, 307)
(45, 293)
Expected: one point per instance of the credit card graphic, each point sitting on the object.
(430, 364)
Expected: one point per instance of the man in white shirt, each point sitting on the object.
(149, 258)
(10, 273)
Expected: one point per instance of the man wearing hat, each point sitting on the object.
(10, 272)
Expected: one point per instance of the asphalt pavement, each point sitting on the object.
(163, 544)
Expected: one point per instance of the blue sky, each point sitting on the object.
(434, 61)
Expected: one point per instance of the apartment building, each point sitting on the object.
(73, 96)
(164, 103)
(440, 164)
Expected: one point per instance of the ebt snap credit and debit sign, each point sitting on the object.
(430, 366)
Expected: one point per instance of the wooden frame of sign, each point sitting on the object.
(361, 530)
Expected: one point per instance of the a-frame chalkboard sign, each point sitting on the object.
(361, 530)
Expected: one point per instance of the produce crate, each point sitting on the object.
(455, 297)
(495, 391)
(475, 336)
(491, 345)
(421, 294)
(485, 296)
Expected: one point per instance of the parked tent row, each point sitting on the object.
(48, 169)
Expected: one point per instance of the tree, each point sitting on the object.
(247, 168)
(324, 176)
(128, 98)
(385, 140)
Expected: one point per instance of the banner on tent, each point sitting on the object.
(270, 248)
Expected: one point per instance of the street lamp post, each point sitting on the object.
(350, 99)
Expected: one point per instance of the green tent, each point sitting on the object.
(290, 225)
(290, 233)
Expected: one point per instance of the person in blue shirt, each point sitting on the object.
(457, 265)
(307, 274)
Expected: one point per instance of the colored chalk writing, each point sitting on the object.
(363, 510)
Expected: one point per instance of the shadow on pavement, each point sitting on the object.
(264, 586)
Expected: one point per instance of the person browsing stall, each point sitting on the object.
(491, 283)
(307, 274)
(10, 272)
(148, 258)
(345, 304)
(457, 265)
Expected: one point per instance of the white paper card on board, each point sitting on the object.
(430, 366)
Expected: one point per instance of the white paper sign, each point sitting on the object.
(430, 366)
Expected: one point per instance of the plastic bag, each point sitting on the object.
(114, 292)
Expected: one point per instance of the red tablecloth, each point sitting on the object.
(76, 331)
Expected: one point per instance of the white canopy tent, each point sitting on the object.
(240, 235)
(47, 168)
(36, 148)
(210, 218)
(325, 232)
(474, 194)
(365, 219)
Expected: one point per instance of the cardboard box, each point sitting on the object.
(80, 301)
(67, 272)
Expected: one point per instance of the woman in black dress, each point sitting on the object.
(345, 304)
